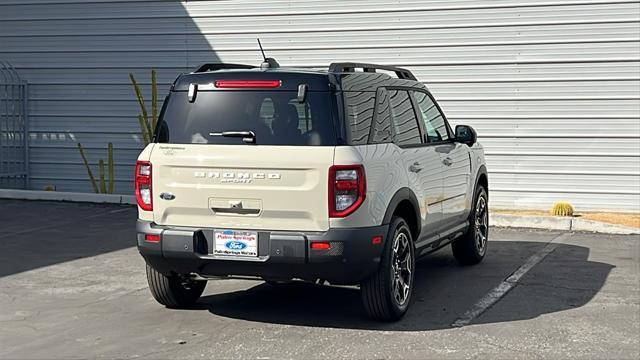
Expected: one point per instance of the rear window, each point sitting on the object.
(276, 117)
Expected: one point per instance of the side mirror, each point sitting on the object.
(466, 135)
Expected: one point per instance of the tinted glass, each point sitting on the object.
(275, 117)
(434, 122)
(359, 114)
(381, 132)
(404, 118)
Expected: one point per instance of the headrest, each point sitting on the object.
(292, 115)
(287, 120)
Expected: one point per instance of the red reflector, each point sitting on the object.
(152, 237)
(346, 185)
(320, 246)
(376, 240)
(248, 83)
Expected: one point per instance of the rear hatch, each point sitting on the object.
(250, 158)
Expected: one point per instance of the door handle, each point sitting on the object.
(447, 161)
(415, 167)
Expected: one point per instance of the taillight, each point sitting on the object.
(144, 195)
(347, 189)
(269, 84)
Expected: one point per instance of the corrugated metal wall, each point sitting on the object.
(552, 86)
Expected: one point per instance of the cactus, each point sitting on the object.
(139, 96)
(147, 125)
(154, 100)
(105, 181)
(110, 165)
(86, 164)
(562, 208)
(104, 185)
(143, 130)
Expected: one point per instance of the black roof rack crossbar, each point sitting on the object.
(221, 66)
(351, 66)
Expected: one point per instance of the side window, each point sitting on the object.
(381, 128)
(405, 123)
(359, 105)
(434, 122)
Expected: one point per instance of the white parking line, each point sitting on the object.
(509, 283)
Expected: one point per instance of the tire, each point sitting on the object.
(379, 296)
(174, 291)
(471, 247)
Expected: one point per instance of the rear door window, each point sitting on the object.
(275, 117)
(405, 123)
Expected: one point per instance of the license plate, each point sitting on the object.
(235, 243)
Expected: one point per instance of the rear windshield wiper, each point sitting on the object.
(248, 137)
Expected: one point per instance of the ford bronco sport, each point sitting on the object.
(344, 176)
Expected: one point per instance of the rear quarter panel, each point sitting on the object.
(384, 175)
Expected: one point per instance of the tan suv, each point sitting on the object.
(344, 176)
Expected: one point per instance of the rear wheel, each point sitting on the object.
(387, 293)
(471, 247)
(174, 291)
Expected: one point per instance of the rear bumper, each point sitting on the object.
(281, 254)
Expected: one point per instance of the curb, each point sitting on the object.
(597, 226)
(67, 196)
(559, 223)
(501, 220)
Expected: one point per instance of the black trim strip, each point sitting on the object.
(447, 199)
(437, 240)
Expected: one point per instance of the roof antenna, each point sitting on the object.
(261, 50)
(268, 62)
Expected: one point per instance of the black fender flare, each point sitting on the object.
(481, 171)
(400, 195)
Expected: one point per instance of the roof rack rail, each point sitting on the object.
(351, 66)
(221, 66)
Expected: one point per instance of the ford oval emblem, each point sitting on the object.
(235, 245)
(167, 196)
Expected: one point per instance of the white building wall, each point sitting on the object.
(551, 86)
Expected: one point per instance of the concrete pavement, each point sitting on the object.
(73, 286)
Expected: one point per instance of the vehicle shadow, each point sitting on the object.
(104, 108)
(443, 292)
(36, 234)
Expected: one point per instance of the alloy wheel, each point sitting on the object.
(481, 224)
(402, 265)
